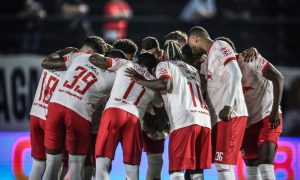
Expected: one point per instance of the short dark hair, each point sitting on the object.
(187, 51)
(227, 40)
(149, 43)
(116, 53)
(109, 47)
(176, 35)
(96, 43)
(172, 48)
(126, 45)
(198, 31)
(148, 60)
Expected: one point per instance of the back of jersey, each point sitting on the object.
(183, 102)
(83, 86)
(46, 87)
(129, 96)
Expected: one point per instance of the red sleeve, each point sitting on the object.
(229, 59)
(265, 68)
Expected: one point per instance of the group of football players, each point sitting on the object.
(212, 102)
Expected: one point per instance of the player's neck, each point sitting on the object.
(208, 44)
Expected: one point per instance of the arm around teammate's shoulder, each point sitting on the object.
(56, 60)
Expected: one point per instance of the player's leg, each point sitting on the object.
(252, 170)
(196, 154)
(154, 150)
(54, 140)
(78, 139)
(225, 152)
(107, 140)
(155, 163)
(132, 145)
(89, 164)
(196, 174)
(176, 175)
(64, 167)
(265, 161)
(37, 148)
(202, 152)
(250, 151)
(267, 146)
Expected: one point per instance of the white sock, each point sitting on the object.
(177, 175)
(132, 172)
(76, 163)
(197, 176)
(37, 170)
(225, 171)
(88, 172)
(62, 172)
(253, 173)
(267, 171)
(155, 162)
(102, 168)
(53, 164)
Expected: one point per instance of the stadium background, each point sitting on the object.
(26, 38)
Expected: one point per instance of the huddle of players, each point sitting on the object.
(242, 95)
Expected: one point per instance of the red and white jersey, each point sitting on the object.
(129, 96)
(258, 90)
(83, 85)
(46, 87)
(218, 77)
(183, 102)
(116, 63)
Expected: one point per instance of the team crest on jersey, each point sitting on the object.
(163, 71)
(225, 51)
(261, 61)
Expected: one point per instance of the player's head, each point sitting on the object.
(172, 51)
(179, 36)
(227, 40)
(197, 39)
(151, 45)
(116, 53)
(94, 44)
(127, 46)
(109, 48)
(192, 59)
(147, 60)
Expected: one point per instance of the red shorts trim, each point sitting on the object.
(227, 139)
(65, 126)
(153, 146)
(117, 126)
(257, 134)
(37, 132)
(190, 148)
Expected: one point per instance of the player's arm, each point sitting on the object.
(112, 64)
(272, 74)
(100, 61)
(231, 92)
(161, 84)
(56, 60)
(250, 54)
